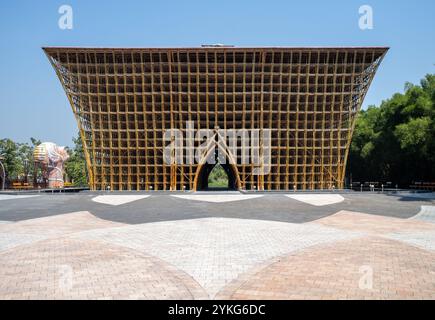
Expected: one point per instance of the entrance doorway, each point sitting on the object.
(222, 174)
(215, 177)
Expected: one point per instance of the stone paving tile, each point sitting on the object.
(218, 197)
(28, 231)
(9, 240)
(58, 225)
(214, 251)
(79, 256)
(16, 197)
(117, 200)
(419, 195)
(427, 214)
(342, 271)
(425, 239)
(373, 224)
(161, 206)
(317, 199)
(73, 269)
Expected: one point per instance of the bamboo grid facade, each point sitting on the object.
(124, 99)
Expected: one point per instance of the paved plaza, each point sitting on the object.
(217, 245)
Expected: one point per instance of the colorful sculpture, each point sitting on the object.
(51, 158)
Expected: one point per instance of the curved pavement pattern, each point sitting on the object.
(427, 213)
(214, 251)
(117, 200)
(73, 269)
(218, 197)
(326, 252)
(28, 231)
(317, 199)
(15, 197)
(375, 268)
(160, 206)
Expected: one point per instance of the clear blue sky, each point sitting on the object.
(32, 102)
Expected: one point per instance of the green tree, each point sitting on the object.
(18, 159)
(218, 178)
(75, 166)
(25, 156)
(33, 170)
(395, 141)
(9, 150)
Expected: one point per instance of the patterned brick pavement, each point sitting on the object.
(347, 255)
(214, 251)
(373, 224)
(28, 231)
(58, 225)
(422, 239)
(73, 269)
(427, 213)
(343, 270)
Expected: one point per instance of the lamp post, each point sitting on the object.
(4, 173)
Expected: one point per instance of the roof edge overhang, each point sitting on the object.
(223, 48)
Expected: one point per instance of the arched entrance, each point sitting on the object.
(204, 182)
(204, 168)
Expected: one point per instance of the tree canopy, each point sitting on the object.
(395, 141)
(19, 164)
(17, 158)
(75, 166)
(218, 178)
